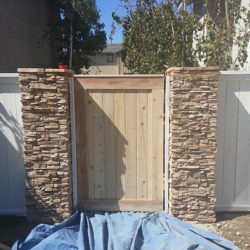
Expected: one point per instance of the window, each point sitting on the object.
(110, 58)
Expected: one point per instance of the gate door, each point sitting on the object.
(119, 142)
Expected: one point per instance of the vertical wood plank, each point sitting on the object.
(121, 126)
(149, 153)
(98, 145)
(242, 178)
(109, 145)
(88, 123)
(81, 143)
(73, 141)
(157, 143)
(221, 114)
(120, 143)
(131, 147)
(142, 145)
(231, 123)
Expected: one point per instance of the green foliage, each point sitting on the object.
(223, 30)
(81, 19)
(155, 36)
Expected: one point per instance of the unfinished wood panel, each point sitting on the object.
(98, 145)
(131, 146)
(120, 143)
(89, 178)
(119, 128)
(157, 142)
(121, 83)
(121, 205)
(109, 144)
(149, 151)
(142, 146)
(82, 178)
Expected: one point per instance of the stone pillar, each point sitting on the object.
(192, 143)
(47, 143)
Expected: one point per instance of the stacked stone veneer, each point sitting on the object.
(192, 143)
(47, 146)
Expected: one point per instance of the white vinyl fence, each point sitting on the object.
(233, 138)
(12, 173)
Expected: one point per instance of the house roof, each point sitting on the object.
(113, 48)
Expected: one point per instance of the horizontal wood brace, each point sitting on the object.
(156, 82)
(122, 205)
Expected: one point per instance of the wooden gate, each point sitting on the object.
(119, 142)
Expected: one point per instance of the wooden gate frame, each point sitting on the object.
(165, 133)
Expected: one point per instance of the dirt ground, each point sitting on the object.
(232, 226)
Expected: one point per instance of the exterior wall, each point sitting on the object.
(102, 67)
(23, 26)
(192, 143)
(47, 145)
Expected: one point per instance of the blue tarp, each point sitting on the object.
(121, 230)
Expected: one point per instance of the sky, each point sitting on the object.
(106, 7)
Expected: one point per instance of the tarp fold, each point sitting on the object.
(121, 230)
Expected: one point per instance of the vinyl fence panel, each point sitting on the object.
(12, 173)
(233, 140)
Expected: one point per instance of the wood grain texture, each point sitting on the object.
(80, 114)
(98, 145)
(122, 205)
(120, 143)
(109, 145)
(157, 143)
(154, 82)
(120, 164)
(142, 145)
(131, 146)
(88, 126)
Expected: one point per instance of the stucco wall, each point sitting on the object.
(23, 25)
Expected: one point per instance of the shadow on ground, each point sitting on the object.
(12, 227)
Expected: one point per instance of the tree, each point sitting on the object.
(225, 26)
(78, 32)
(154, 36)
